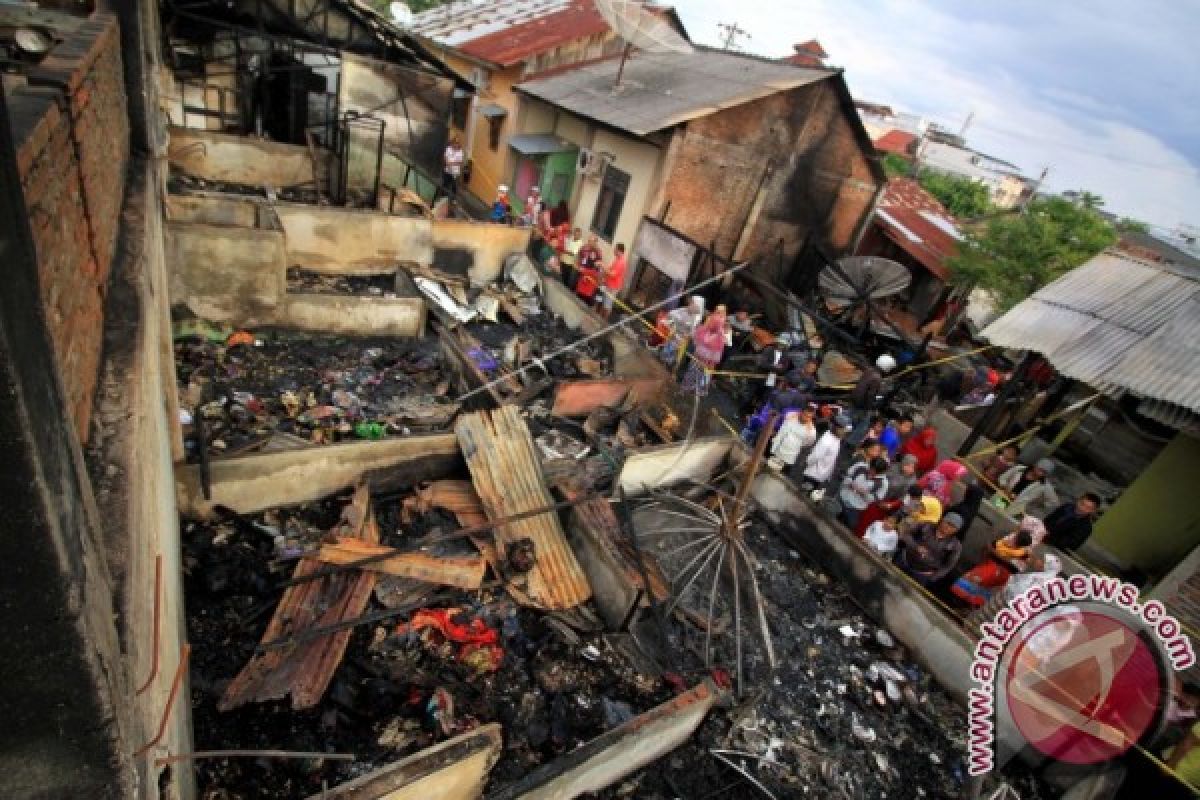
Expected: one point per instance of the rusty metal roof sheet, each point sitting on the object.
(1121, 325)
(507, 474)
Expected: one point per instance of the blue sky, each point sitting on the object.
(1107, 94)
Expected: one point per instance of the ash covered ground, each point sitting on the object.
(845, 715)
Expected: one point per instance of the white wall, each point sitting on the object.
(643, 163)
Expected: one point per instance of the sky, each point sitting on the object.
(1104, 93)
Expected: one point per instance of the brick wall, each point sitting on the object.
(72, 139)
(820, 179)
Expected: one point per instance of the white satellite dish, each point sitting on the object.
(641, 28)
(401, 14)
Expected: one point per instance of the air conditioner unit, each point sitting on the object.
(588, 162)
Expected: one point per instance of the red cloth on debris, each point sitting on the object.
(480, 645)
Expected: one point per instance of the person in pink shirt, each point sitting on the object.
(614, 280)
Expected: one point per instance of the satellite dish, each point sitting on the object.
(401, 14)
(33, 41)
(640, 28)
(857, 279)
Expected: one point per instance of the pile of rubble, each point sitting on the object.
(242, 391)
(180, 182)
(376, 625)
(302, 280)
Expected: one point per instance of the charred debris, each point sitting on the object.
(573, 633)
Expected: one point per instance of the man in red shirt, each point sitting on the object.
(614, 279)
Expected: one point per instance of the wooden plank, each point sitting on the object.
(305, 669)
(507, 476)
(463, 572)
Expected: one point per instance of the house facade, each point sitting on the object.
(739, 154)
(496, 45)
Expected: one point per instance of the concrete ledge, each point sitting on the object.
(224, 157)
(625, 749)
(671, 464)
(254, 483)
(934, 639)
(349, 315)
(456, 769)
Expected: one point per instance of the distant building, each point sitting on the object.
(912, 227)
(900, 143)
(880, 120)
(1005, 184)
(808, 54)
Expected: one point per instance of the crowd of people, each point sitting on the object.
(880, 469)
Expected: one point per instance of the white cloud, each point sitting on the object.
(1100, 95)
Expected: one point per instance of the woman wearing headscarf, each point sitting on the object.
(924, 447)
(709, 340)
(1006, 556)
(940, 482)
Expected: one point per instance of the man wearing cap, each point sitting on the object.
(1028, 489)
(502, 206)
(818, 467)
(866, 392)
(929, 551)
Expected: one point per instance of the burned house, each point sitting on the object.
(337, 98)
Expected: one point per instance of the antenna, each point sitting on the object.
(640, 28)
(731, 31)
(962, 133)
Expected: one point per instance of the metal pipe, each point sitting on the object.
(180, 671)
(250, 754)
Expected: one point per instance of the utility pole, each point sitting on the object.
(1036, 186)
(731, 31)
(962, 132)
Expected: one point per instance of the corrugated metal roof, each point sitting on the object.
(515, 43)
(660, 90)
(466, 20)
(1119, 324)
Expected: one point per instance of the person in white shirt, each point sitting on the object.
(452, 164)
(795, 435)
(818, 467)
(865, 483)
(881, 536)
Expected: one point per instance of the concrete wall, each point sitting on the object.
(85, 528)
(480, 247)
(413, 105)
(225, 274)
(1150, 526)
(216, 156)
(238, 275)
(796, 149)
(72, 138)
(351, 242)
(248, 484)
(642, 162)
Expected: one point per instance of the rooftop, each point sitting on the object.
(918, 224)
(462, 21)
(515, 43)
(1122, 325)
(659, 91)
(808, 54)
(899, 142)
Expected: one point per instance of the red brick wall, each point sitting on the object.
(821, 180)
(72, 138)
